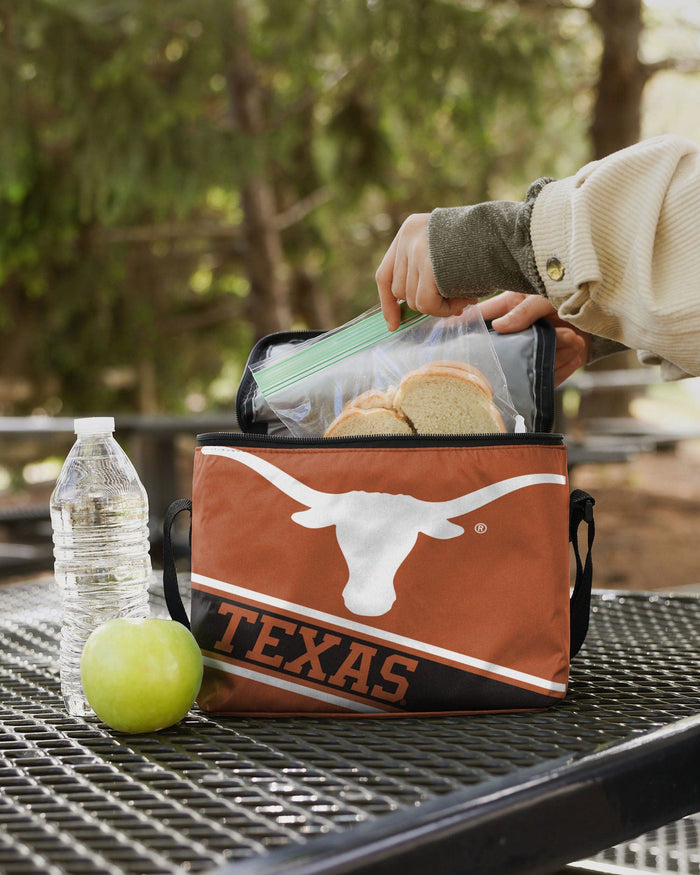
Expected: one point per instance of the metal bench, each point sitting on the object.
(26, 547)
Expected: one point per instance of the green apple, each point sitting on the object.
(141, 675)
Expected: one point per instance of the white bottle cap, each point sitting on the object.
(94, 425)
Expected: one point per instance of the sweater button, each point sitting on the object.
(555, 269)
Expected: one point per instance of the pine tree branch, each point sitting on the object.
(553, 5)
(302, 208)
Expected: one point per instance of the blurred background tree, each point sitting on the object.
(179, 178)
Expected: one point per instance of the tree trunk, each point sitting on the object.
(616, 123)
(313, 307)
(269, 306)
(617, 112)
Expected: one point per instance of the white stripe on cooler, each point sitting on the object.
(289, 686)
(400, 640)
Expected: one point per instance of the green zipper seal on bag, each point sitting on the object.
(330, 349)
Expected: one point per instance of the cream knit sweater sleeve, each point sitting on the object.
(617, 246)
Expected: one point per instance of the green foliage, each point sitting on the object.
(122, 254)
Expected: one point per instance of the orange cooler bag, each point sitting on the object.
(385, 575)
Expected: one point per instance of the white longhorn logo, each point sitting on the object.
(377, 530)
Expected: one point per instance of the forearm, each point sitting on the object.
(482, 249)
(601, 347)
(615, 249)
(626, 232)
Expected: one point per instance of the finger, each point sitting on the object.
(429, 300)
(500, 304)
(391, 310)
(402, 269)
(523, 314)
(411, 289)
(384, 277)
(465, 302)
(571, 354)
(572, 342)
(563, 371)
(455, 306)
(569, 357)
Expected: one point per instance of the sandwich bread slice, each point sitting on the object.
(446, 400)
(368, 420)
(442, 397)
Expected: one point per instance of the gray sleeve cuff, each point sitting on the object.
(486, 248)
(669, 370)
(602, 347)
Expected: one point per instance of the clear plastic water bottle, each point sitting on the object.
(99, 515)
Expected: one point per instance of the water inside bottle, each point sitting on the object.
(99, 513)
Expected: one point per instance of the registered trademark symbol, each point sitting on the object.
(480, 528)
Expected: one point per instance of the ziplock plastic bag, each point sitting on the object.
(308, 386)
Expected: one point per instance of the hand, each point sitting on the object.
(406, 274)
(512, 311)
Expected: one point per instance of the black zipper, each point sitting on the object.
(238, 439)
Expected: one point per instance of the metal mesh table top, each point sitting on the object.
(673, 849)
(76, 797)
